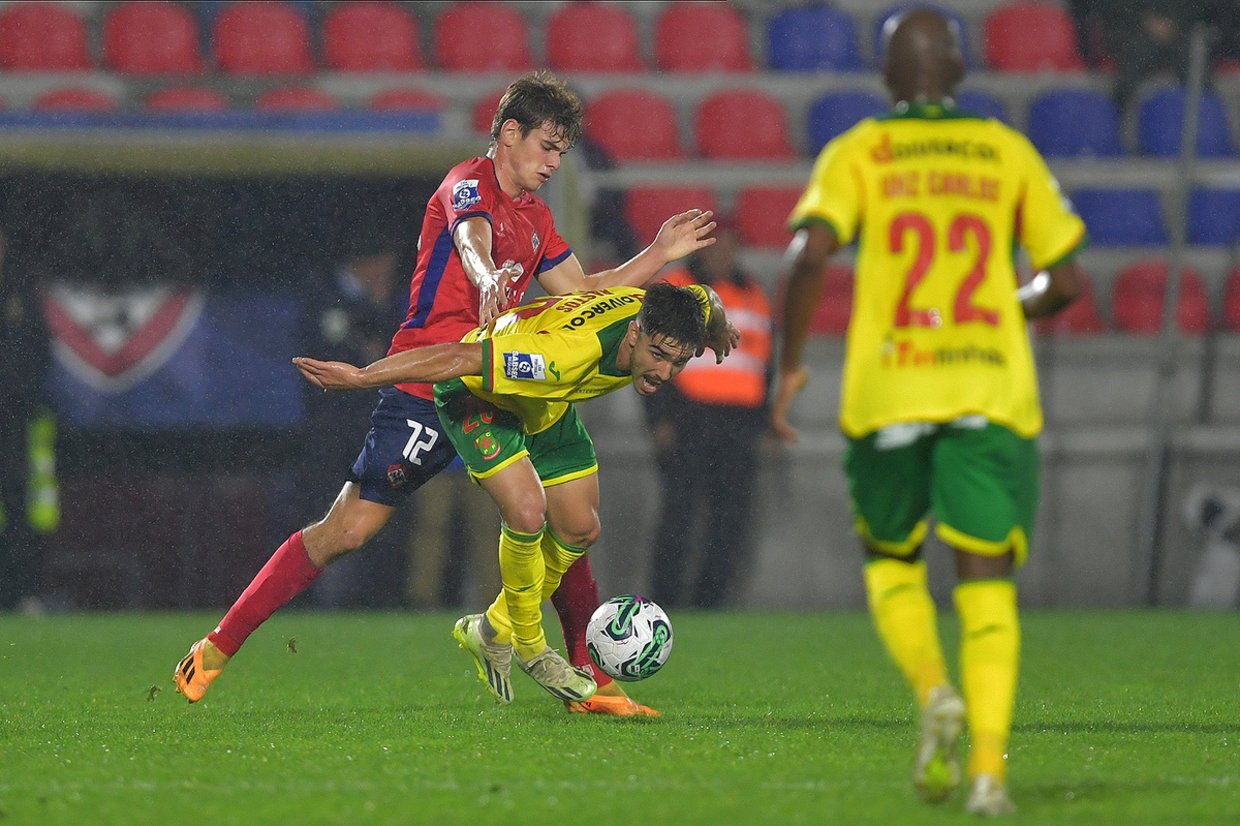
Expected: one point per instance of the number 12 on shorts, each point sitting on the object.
(421, 440)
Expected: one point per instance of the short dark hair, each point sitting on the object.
(673, 312)
(537, 98)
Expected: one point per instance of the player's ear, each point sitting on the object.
(510, 132)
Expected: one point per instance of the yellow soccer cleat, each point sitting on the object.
(192, 678)
(937, 773)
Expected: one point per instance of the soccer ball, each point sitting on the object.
(629, 637)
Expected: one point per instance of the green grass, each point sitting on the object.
(1124, 717)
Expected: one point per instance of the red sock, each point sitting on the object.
(286, 574)
(575, 601)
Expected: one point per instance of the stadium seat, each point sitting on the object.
(1122, 217)
(815, 38)
(743, 124)
(186, 99)
(1160, 118)
(983, 103)
(151, 38)
(701, 37)
(1231, 302)
(880, 21)
(834, 308)
(371, 36)
(593, 37)
(1080, 318)
(404, 100)
(647, 207)
(296, 99)
(835, 112)
(481, 37)
(42, 37)
(1214, 216)
(1030, 37)
(1070, 123)
(762, 214)
(484, 111)
(74, 99)
(265, 37)
(634, 125)
(1137, 299)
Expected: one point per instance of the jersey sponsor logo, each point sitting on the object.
(530, 366)
(465, 194)
(886, 151)
(904, 353)
(615, 302)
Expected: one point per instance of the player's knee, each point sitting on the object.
(526, 518)
(582, 535)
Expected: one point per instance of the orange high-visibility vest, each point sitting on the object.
(741, 379)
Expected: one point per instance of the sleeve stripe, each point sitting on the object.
(488, 369)
(548, 263)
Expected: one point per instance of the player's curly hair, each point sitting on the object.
(673, 312)
(537, 98)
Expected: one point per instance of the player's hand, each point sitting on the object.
(787, 386)
(723, 343)
(330, 375)
(494, 292)
(685, 233)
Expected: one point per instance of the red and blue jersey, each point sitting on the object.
(443, 302)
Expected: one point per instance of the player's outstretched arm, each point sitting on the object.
(472, 238)
(679, 236)
(436, 362)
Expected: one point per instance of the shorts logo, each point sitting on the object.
(487, 445)
(396, 476)
(525, 366)
(465, 194)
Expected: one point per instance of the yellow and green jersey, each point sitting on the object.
(542, 355)
(938, 202)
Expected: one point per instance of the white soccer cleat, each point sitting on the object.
(937, 771)
(561, 679)
(494, 661)
(988, 798)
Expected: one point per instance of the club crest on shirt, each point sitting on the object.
(487, 445)
(465, 194)
(397, 476)
(525, 366)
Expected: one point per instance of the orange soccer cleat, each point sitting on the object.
(191, 677)
(615, 705)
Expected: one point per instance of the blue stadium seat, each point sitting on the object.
(881, 19)
(984, 104)
(1069, 123)
(835, 112)
(811, 39)
(1214, 216)
(1122, 217)
(1161, 117)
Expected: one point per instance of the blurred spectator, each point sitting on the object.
(707, 429)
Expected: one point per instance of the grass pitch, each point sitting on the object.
(1123, 717)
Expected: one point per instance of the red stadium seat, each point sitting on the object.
(1231, 302)
(371, 36)
(484, 111)
(396, 100)
(481, 37)
(634, 125)
(762, 214)
(42, 37)
(1030, 36)
(1080, 318)
(701, 37)
(186, 99)
(296, 99)
(151, 38)
(745, 124)
(74, 99)
(834, 308)
(1137, 299)
(647, 207)
(264, 37)
(593, 37)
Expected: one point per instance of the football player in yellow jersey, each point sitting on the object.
(939, 403)
(505, 395)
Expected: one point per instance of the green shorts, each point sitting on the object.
(490, 439)
(979, 479)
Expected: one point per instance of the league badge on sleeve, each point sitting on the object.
(528, 366)
(465, 194)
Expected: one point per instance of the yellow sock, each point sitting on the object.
(517, 613)
(558, 557)
(906, 620)
(989, 659)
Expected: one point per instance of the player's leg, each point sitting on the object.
(985, 494)
(889, 474)
(402, 450)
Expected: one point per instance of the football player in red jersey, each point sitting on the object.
(484, 238)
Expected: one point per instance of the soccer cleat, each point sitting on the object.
(620, 706)
(562, 680)
(937, 773)
(190, 677)
(494, 661)
(988, 798)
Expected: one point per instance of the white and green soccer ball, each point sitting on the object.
(629, 637)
